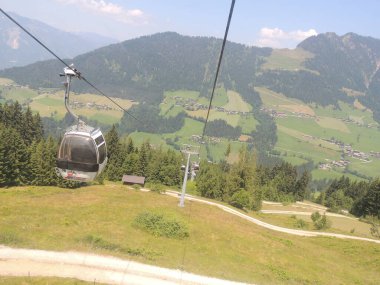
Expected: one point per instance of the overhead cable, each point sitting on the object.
(219, 63)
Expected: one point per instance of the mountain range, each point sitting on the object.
(18, 48)
(324, 69)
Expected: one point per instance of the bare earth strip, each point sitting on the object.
(93, 268)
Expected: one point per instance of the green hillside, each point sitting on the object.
(100, 219)
(321, 96)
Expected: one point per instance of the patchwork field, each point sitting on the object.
(303, 130)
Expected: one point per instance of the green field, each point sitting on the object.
(294, 160)
(280, 102)
(248, 124)
(287, 59)
(50, 103)
(303, 149)
(219, 244)
(21, 95)
(140, 137)
(345, 111)
(236, 103)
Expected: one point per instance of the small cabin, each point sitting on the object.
(131, 180)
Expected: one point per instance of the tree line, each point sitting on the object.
(359, 198)
(27, 158)
(245, 184)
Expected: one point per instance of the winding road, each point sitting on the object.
(269, 226)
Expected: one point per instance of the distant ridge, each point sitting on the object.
(18, 49)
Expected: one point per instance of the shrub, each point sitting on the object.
(300, 224)
(322, 223)
(136, 186)
(375, 230)
(159, 225)
(240, 199)
(315, 216)
(158, 188)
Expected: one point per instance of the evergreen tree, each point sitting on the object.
(210, 181)
(43, 162)
(113, 142)
(371, 201)
(14, 158)
(302, 186)
(143, 159)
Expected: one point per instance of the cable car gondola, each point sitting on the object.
(82, 154)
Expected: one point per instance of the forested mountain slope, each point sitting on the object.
(337, 68)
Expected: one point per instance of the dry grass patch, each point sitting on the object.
(6, 81)
(303, 109)
(332, 123)
(360, 106)
(352, 93)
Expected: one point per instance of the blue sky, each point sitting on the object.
(275, 23)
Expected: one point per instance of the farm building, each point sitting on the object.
(131, 180)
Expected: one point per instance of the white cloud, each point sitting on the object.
(132, 16)
(278, 38)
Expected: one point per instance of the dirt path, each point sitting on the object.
(280, 212)
(94, 268)
(269, 226)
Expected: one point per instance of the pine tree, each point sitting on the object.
(113, 142)
(27, 126)
(14, 158)
(144, 157)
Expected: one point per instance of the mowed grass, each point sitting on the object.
(236, 103)
(9, 280)
(371, 168)
(345, 111)
(18, 94)
(219, 244)
(248, 124)
(287, 59)
(280, 102)
(294, 160)
(332, 123)
(362, 138)
(140, 137)
(43, 107)
(301, 148)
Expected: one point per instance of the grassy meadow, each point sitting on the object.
(302, 136)
(99, 219)
(50, 103)
(287, 59)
